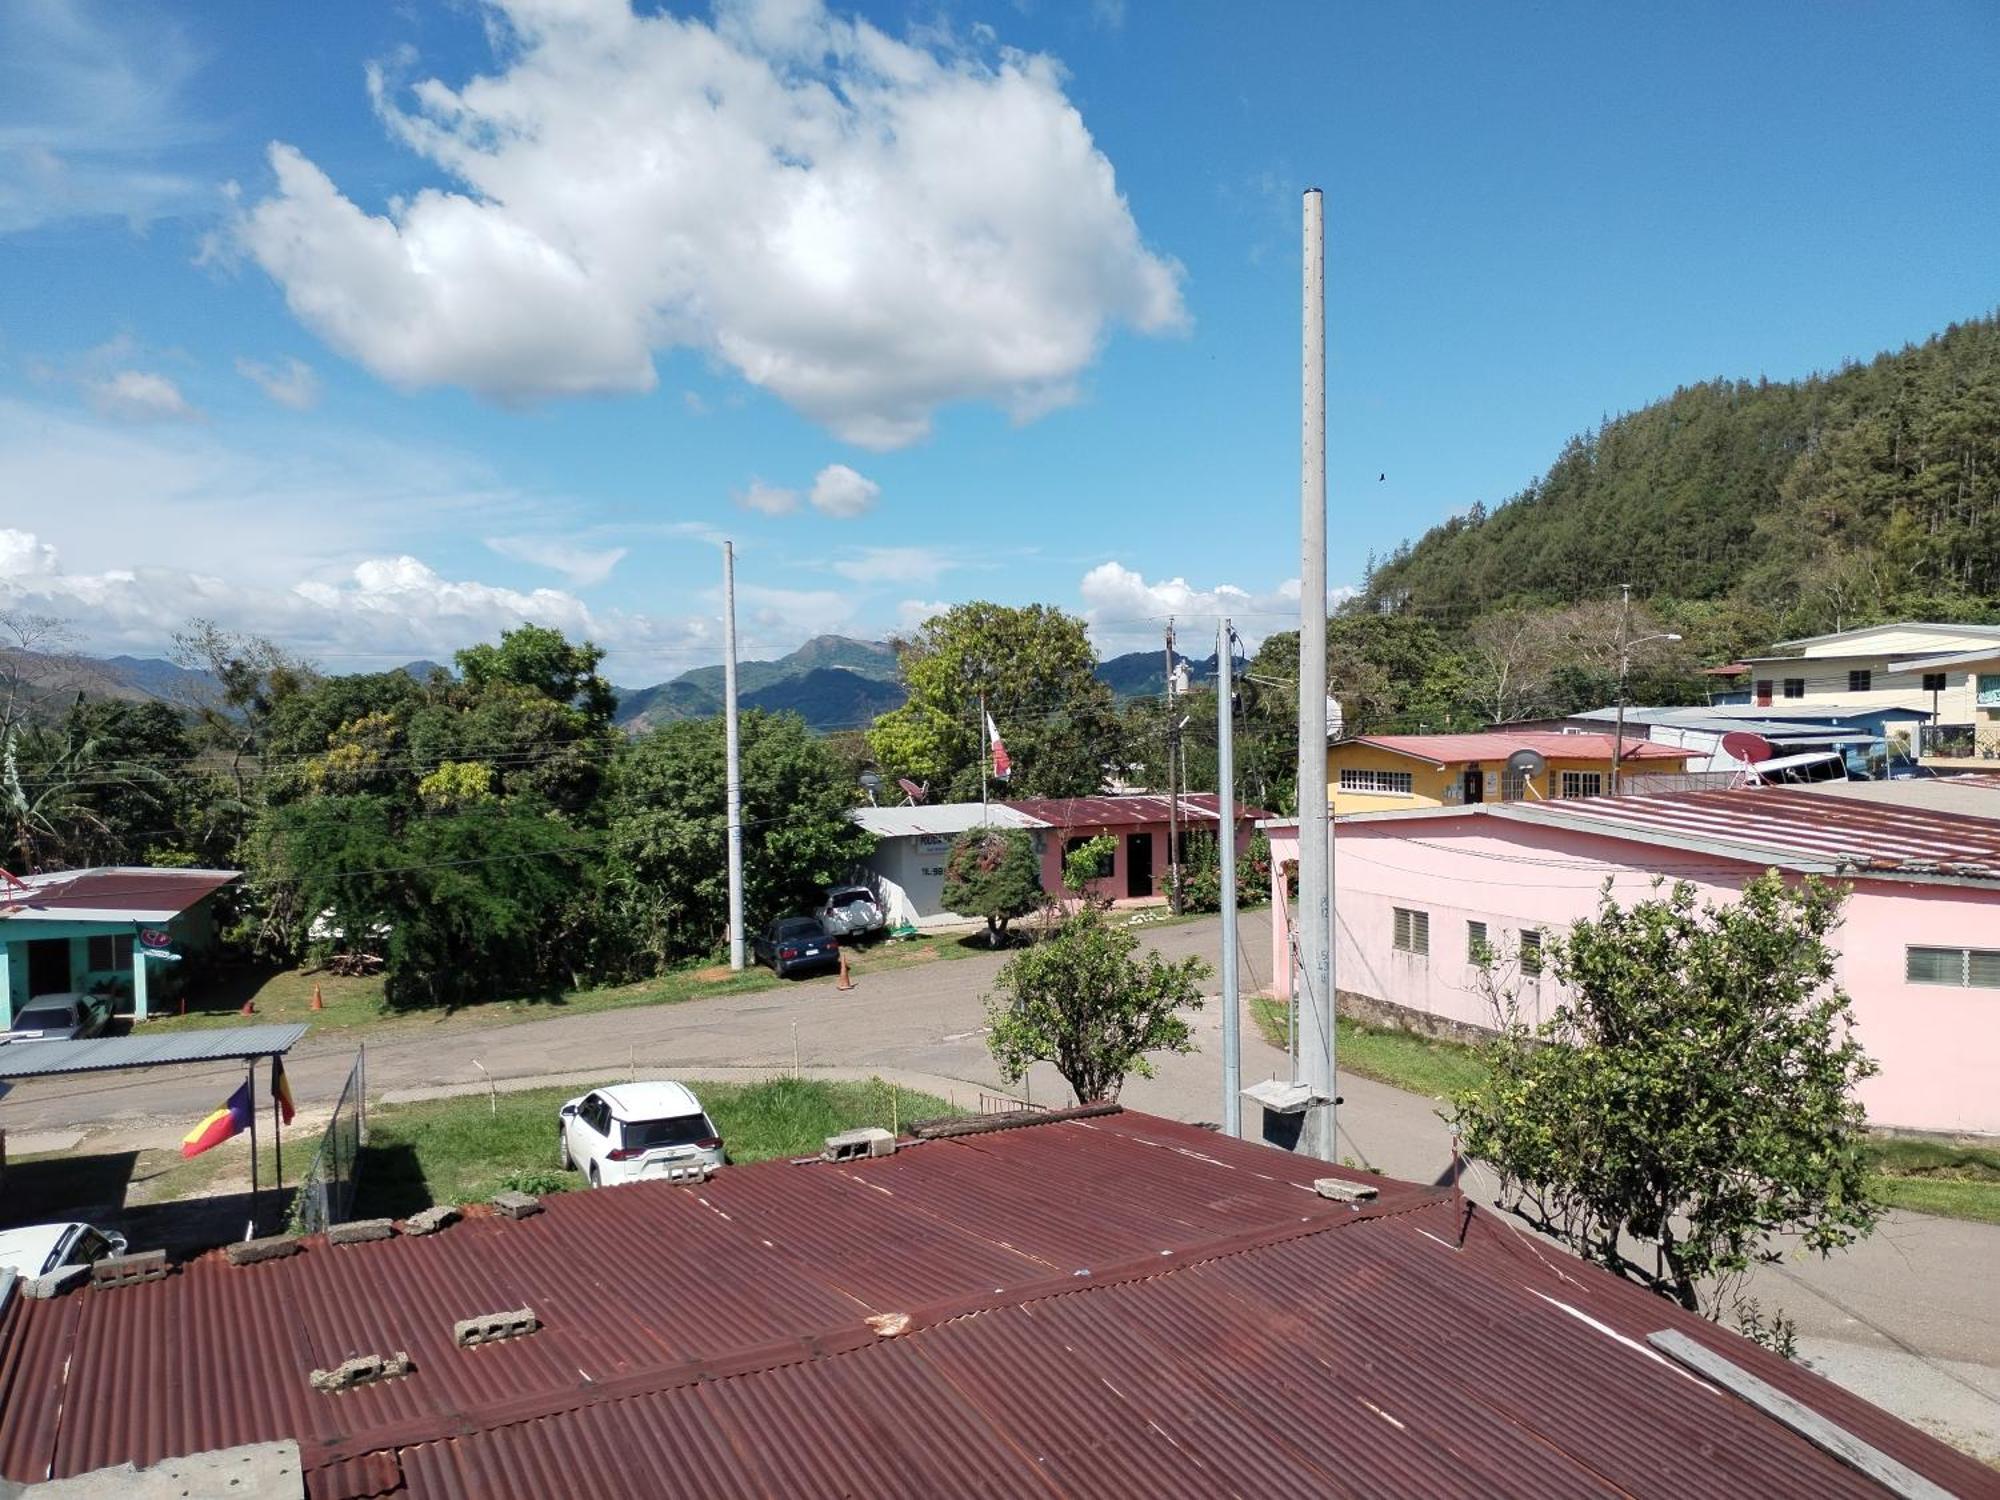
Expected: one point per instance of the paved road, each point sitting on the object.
(1911, 1316)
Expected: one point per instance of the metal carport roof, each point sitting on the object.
(109, 1053)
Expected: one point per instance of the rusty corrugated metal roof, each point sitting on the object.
(1792, 827)
(1125, 809)
(1113, 1306)
(1498, 744)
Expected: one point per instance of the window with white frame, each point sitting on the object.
(1965, 968)
(1583, 784)
(1393, 783)
(1531, 952)
(1413, 931)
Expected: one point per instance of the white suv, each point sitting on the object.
(633, 1132)
(41, 1248)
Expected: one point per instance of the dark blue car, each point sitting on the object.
(792, 944)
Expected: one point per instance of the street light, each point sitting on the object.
(1624, 669)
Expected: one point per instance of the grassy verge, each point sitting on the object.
(1936, 1177)
(1401, 1058)
(459, 1150)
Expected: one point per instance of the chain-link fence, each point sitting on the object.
(326, 1191)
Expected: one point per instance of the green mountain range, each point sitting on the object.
(1865, 494)
(832, 682)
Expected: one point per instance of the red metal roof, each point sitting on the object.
(135, 892)
(1498, 744)
(1789, 826)
(1124, 811)
(1112, 1306)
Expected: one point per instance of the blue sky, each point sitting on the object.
(380, 327)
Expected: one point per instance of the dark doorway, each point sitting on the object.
(1138, 864)
(48, 966)
(1475, 784)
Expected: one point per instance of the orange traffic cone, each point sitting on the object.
(318, 1003)
(249, 1008)
(846, 980)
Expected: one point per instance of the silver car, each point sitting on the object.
(851, 911)
(64, 1017)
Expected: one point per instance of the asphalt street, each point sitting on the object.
(1911, 1317)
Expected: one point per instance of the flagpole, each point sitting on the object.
(277, 1131)
(250, 1087)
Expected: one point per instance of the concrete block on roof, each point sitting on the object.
(260, 1469)
(270, 1247)
(360, 1231)
(55, 1283)
(513, 1205)
(1342, 1191)
(492, 1327)
(852, 1145)
(363, 1369)
(431, 1220)
(129, 1270)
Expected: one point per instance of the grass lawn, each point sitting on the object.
(461, 1150)
(1402, 1058)
(1936, 1177)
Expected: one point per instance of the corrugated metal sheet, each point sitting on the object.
(105, 1053)
(1117, 1306)
(1788, 826)
(1125, 810)
(1498, 744)
(137, 893)
(940, 819)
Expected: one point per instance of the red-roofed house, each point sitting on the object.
(121, 931)
(1141, 823)
(1395, 772)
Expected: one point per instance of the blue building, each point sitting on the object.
(122, 931)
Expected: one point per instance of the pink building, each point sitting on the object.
(1421, 895)
(1140, 823)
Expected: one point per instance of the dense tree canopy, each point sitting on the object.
(1815, 505)
(1034, 665)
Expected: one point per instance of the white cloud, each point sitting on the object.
(839, 491)
(911, 613)
(582, 566)
(1127, 613)
(381, 612)
(139, 396)
(23, 555)
(291, 384)
(866, 227)
(789, 616)
(895, 564)
(90, 100)
(768, 499)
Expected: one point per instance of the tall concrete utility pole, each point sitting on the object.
(1225, 779)
(1624, 666)
(1315, 906)
(1173, 792)
(730, 749)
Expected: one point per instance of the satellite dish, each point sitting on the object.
(911, 790)
(1741, 744)
(1526, 764)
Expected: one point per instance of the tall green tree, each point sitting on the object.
(666, 878)
(996, 874)
(1082, 1001)
(1035, 666)
(1694, 1091)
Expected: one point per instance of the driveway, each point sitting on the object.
(1911, 1317)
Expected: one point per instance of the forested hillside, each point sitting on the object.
(1814, 505)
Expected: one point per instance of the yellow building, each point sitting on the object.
(1396, 772)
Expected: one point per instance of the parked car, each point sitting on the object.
(791, 944)
(63, 1017)
(637, 1131)
(851, 911)
(37, 1249)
